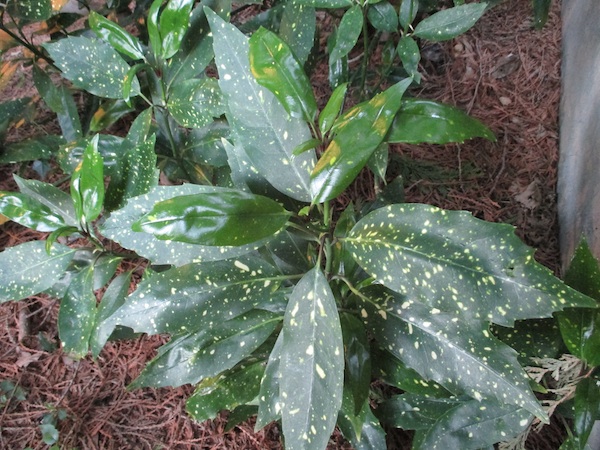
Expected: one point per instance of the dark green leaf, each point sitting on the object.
(420, 121)
(118, 229)
(223, 218)
(77, 314)
(449, 23)
(326, 3)
(415, 412)
(275, 67)
(115, 35)
(410, 55)
(378, 162)
(269, 398)
(347, 33)
(227, 391)
(333, 108)
(61, 102)
(541, 9)
(27, 269)
(476, 270)
(587, 408)
(363, 430)
(87, 184)
(257, 119)
(91, 65)
(173, 24)
(194, 103)
(152, 27)
(357, 360)
(408, 12)
(533, 338)
(205, 145)
(29, 212)
(358, 134)
(462, 357)
(306, 146)
(113, 299)
(108, 113)
(208, 351)
(30, 10)
(109, 147)
(312, 364)
(43, 147)
(13, 111)
(195, 296)
(383, 16)
(297, 28)
(289, 252)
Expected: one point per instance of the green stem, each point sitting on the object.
(352, 288)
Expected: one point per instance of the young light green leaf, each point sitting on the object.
(312, 364)
(115, 35)
(29, 212)
(275, 67)
(194, 103)
(77, 314)
(208, 351)
(459, 264)
(257, 119)
(347, 154)
(228, 391)
(347, 33)
(87, 184)
(192, 297)
(297, 28)
(449, 23)
(91, 65)
(428, 340)
(420, 121)
(61, 102)
(383, 16)
(332, 109)
(173, 24)
(28, 269)
(118, 228)
(225, 217)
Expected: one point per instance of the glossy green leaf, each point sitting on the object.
(449, 23)
(77, 314)
(257, 119)
(269, 396)
(29, 212)
(208, 351)
(59, 202)
(462, 357)
(347, 154)
(394, 372)
(347, 34)
(61, 102)
(289, 252)
(362, 429)
(476, 270)
(28, 269)
(87, 184)
(383, 16)
(357, 360)
(221, 218)
(42, 147)
(420, 121)
(579, 327)
(306, 146)
(194, 103)
(333, 108)
(195, 296)
(30, 10)
(312, 364)
(541, 9)
(91, 65)
(227, 391)
(108, 113)
(109, 146)
(205, 145)
(118, 228)
(410, 55)
(152, 27)
(297, 28)
(113, 298)
(587, 408)
(173, 24)
(120, 39)
(408, 12)
(275, 67)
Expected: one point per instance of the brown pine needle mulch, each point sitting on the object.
(502, 72)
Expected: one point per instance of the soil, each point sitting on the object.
(502, 72)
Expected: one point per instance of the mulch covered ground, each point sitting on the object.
(502, 72)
